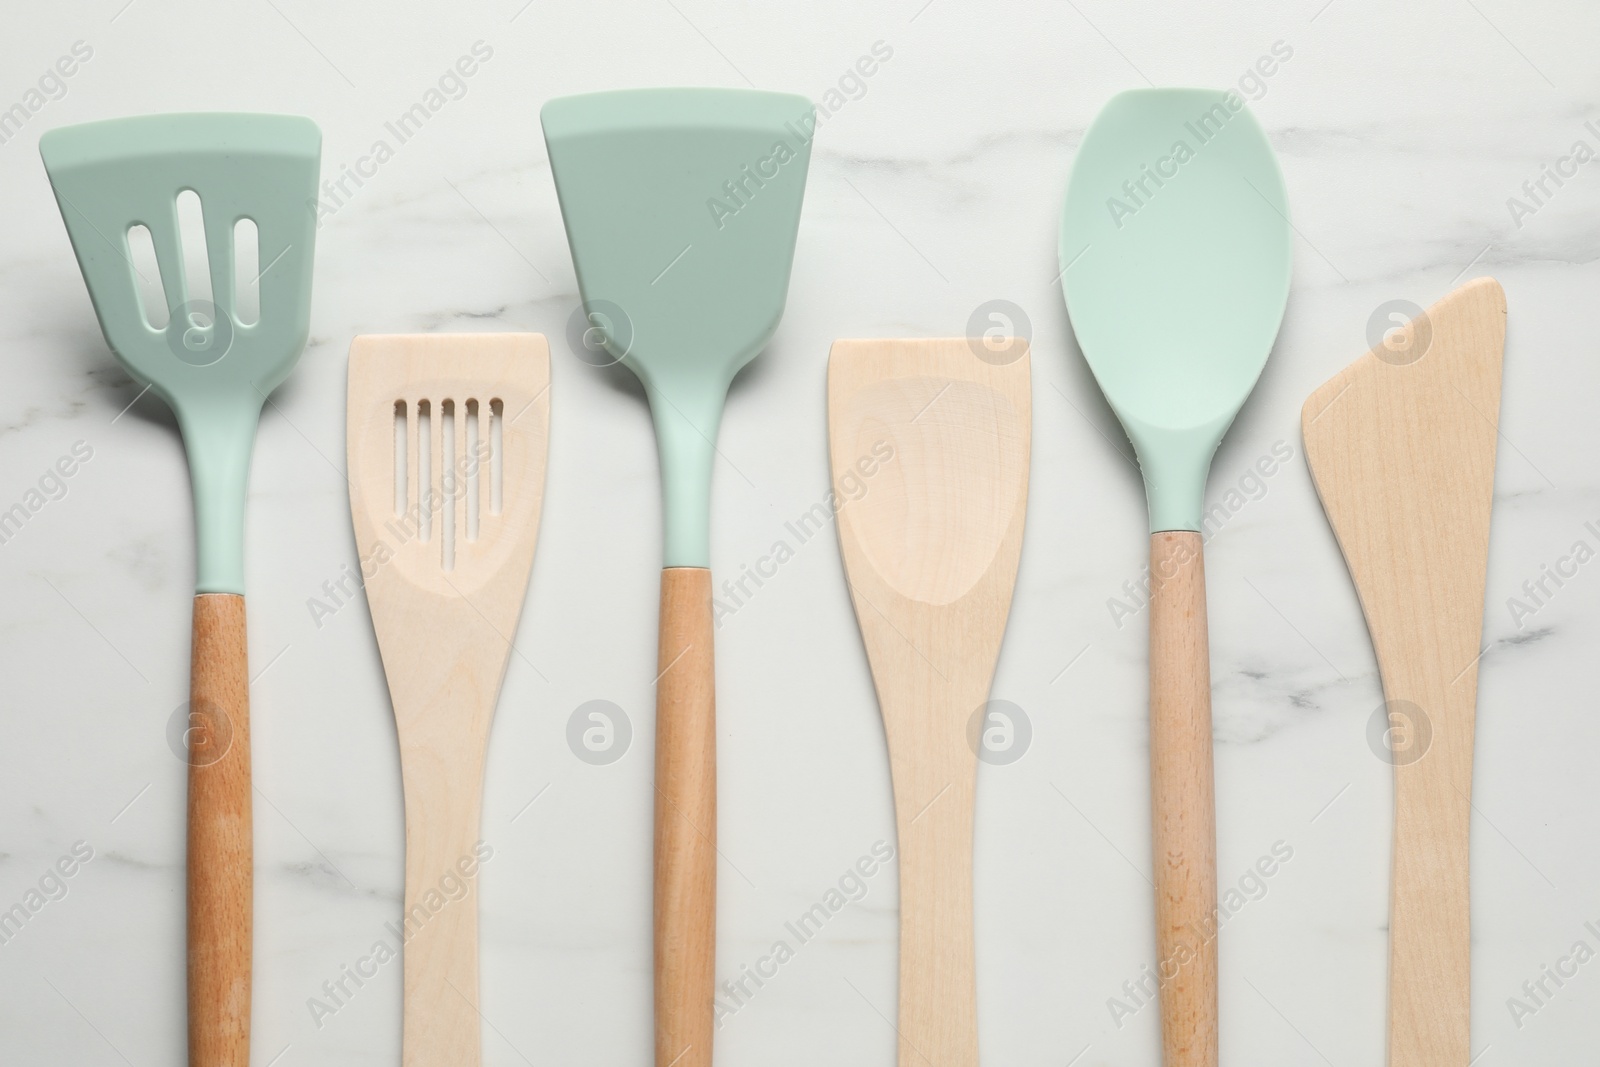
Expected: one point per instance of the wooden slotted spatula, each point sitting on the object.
(447, 442)
(929, 447)
(1401, 445)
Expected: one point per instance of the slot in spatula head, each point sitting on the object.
(112, 176)
(447, 443)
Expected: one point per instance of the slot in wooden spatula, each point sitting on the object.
(929, 447)
(1401, 445)
(447, 443)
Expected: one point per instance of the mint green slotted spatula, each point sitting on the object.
(1175, 255)
(215, 367)
(681, 207)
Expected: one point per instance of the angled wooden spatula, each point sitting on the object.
(447, 443)
(929, 446)
(1401, 445)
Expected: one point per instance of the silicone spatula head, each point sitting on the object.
(214, 366)
(681, 207)
(1175, 255)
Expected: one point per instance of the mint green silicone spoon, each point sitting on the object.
(681, 208)
(1175, 255)
(215, 369)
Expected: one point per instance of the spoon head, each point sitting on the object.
(1175, 255)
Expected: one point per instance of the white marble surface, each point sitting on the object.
(1402, 131)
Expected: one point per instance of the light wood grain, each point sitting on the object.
(220, 860)
(686, 821)
(1183, 804)
(1402, 451)
(445, 635)
(929, 447)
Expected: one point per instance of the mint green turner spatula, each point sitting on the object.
(681, 207)
(1175, 255)
(214, 358)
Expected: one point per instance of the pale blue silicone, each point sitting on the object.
(1175, 256)
(213, 370)
(681, 208)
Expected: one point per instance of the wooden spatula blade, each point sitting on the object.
(1401, 446)
(495, 384)
(445, 433)
(929, 444)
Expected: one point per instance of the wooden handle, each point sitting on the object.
(220, 859)
(686, 821)
(938, 980)
(1430, 917)
(442, 1027)
(1182, 800)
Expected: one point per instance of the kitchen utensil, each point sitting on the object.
(1175, 255)
(214, 364)
(681, 207)
(447, 441)
(1401, 446)
(929, 446)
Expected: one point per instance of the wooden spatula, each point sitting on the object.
(447, 443)
(1401, 445)
(929, 447)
